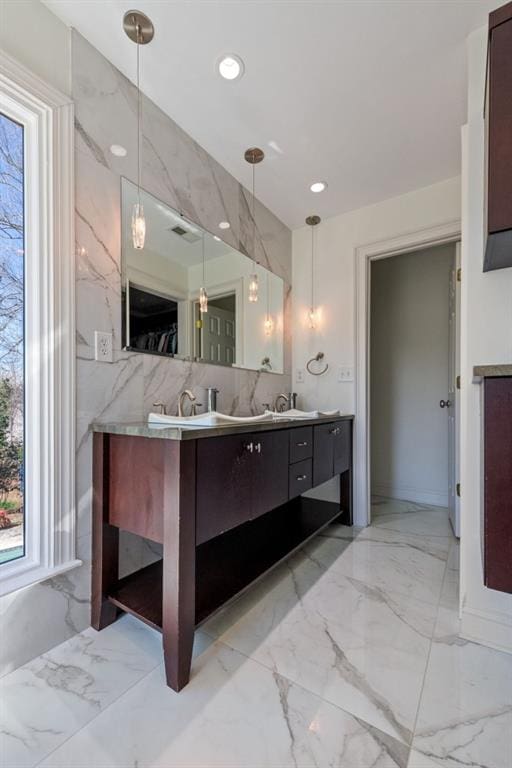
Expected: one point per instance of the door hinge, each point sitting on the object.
(459, 275)
(458, 489)
(457, 382)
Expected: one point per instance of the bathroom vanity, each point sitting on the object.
(226, 503)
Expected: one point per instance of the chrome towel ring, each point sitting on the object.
(319, 356)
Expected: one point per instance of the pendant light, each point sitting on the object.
(313, 221)
(254, 155)
(141, 31)
(203, 296)
(269, 323)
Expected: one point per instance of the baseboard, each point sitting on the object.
(486, 629)
(417, 496)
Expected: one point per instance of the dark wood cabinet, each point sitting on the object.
(226, 508)
(331, 450)
(224, 484)
(270, 472)
(498, 483)
(301, 444)
(498, 252)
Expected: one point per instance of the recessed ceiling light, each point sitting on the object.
(118, 150)
(318, 186)
(230, 66)
(217, 238)
(224, 225)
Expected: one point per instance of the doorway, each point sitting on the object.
(413, 367)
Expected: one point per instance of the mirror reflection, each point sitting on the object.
(162, 289)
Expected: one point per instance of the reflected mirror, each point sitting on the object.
(161, 284)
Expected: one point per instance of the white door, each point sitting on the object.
(218, 336)
(453, 403)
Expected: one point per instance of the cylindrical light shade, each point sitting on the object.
(138, 226)
(203, 300)
(253, 288)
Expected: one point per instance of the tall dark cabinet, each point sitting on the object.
(498, 483)
(498, 251)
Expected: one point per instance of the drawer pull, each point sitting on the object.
(301, 477)
(257, 447)
(303, 444)
(249, 447)
(335, 431)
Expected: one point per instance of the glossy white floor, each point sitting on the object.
(347, 656)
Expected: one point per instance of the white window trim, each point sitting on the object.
(49, 326)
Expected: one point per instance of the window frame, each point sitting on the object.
(49, 317)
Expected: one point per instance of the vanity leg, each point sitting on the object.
(346, 517)
(179, 561)
(105, 539)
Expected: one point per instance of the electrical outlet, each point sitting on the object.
(299, 376)
(345, 373)
(103, 350)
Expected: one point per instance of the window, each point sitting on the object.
(12, 249)
(37, 508)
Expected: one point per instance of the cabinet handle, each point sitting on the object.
(335, 431)
(301, 477)
(249, 447)
(302, 445)
(258, 447)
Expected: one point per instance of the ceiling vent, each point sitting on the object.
(185, 234)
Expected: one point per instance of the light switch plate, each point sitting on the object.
(103, 348)
(345, 373)
(299, 376)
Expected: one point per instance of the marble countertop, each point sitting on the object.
(143, 429)
(485, 371)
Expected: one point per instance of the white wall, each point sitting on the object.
(37, 39)
(336, 241)
(486, 338)
(409, 375)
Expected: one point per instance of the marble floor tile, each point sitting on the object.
(465, 715)
(346, 655)
(46, 701)
(233, 713)
(330, 633)
(395, 562)
(409, 517)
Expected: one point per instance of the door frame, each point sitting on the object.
(417, 240)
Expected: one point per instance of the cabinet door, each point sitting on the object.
(270, 471)
(224, 484)
(323, 455)
(342, 447)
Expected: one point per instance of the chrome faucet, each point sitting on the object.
(193, 402)
(289, 400)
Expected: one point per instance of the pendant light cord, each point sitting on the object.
(139, 108)
(312, 267)
(253, 215)
(204, 286)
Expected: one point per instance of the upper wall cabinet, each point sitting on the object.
(162, 284)
(498, 252)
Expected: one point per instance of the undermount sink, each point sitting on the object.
(216, 419)
(213, 419)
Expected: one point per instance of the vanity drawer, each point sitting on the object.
(301, 444)
(301, 477)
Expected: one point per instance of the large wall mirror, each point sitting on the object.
(161, 284)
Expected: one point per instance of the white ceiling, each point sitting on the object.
(368, 95)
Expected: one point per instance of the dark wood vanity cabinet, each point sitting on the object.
(226, 505)
(238, 479)
(498, 252)
(497, 541)
(332, 449)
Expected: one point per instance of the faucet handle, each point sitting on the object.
(161, 406)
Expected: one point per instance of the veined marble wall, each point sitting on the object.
(179, 172)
